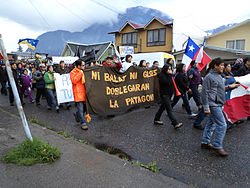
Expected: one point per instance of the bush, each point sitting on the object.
(29, 153)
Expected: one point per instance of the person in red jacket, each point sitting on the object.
(78, 85)
(109, 62)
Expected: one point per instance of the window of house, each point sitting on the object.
(156, 37)
(240, 44)
(235, 44)
(129, 39)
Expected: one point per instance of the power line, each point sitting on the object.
(50, 27)
(103, 5)
(112, 10)
(72, 12)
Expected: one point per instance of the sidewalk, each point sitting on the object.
(79, 166)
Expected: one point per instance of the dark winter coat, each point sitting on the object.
(242, 71)
(166, 84)
(16, 77)
(181, 81)
(62, 71)
(3, 75)
(40, 83)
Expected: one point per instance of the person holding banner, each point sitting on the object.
(166, 91)
(78, 84)
(213, 98)
(127, 63)
(63, 70)
(50, 88)
(109, 62)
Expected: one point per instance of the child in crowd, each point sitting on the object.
(25, 85)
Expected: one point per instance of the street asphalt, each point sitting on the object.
(79, 166)
(176, 152)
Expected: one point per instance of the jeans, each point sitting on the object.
(80, 112)
(216, 124)
(51, 98)
(166, 104)
(195, 94)
(185, 100)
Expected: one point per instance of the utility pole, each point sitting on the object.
(12, 84)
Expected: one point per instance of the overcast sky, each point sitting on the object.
(30, 18)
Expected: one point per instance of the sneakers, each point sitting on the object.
(38, 103)
(178, 125)
(84, 126)
(192, 115)
(158, 122)
(49, 108)
(57, 109)
(76, 118)
(32, 102)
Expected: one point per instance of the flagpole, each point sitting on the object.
(15, 92)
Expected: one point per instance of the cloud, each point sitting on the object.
(71, 15)
(14, 32)
(30, 18)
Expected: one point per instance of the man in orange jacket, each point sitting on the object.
(78, 84)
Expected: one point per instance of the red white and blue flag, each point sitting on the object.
(194, 52)
(237, 104)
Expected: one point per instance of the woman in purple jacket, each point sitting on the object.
(25, 85)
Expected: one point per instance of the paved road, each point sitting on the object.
(177, 153)
(80, 165)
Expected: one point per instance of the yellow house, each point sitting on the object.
(236, 37)
(155, 36)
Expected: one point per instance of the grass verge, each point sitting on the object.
(29, 153)
(150, 166)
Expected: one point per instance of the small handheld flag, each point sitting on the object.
(32, 43)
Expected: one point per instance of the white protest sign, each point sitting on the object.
(126, 50)
(66, 59)
(64, 92)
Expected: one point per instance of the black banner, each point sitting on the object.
(109, 92)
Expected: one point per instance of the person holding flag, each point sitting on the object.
(213, 98)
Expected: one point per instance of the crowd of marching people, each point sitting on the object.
(175, 84)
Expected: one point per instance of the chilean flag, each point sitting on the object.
(194, 52)
(237, 104)
(190, 51)
(1, 57)
(201, 58)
